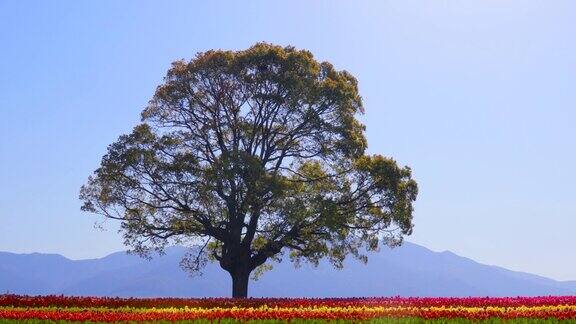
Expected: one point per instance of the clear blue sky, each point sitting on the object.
(478, 97)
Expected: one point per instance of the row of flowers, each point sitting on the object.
(96, 309)
(66, 301)
(328, 313)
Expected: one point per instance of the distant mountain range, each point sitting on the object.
(410, 270)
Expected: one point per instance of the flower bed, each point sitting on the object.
(61, 308)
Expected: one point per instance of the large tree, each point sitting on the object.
(248, 155)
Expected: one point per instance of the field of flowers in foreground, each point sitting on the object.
(271, 310)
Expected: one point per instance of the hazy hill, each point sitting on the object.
(410, 270)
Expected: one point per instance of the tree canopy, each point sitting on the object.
(250, 156)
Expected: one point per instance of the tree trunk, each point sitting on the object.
(240, 281)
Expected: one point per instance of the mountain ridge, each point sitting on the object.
(409, 270)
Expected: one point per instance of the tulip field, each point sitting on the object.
(41, 309)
